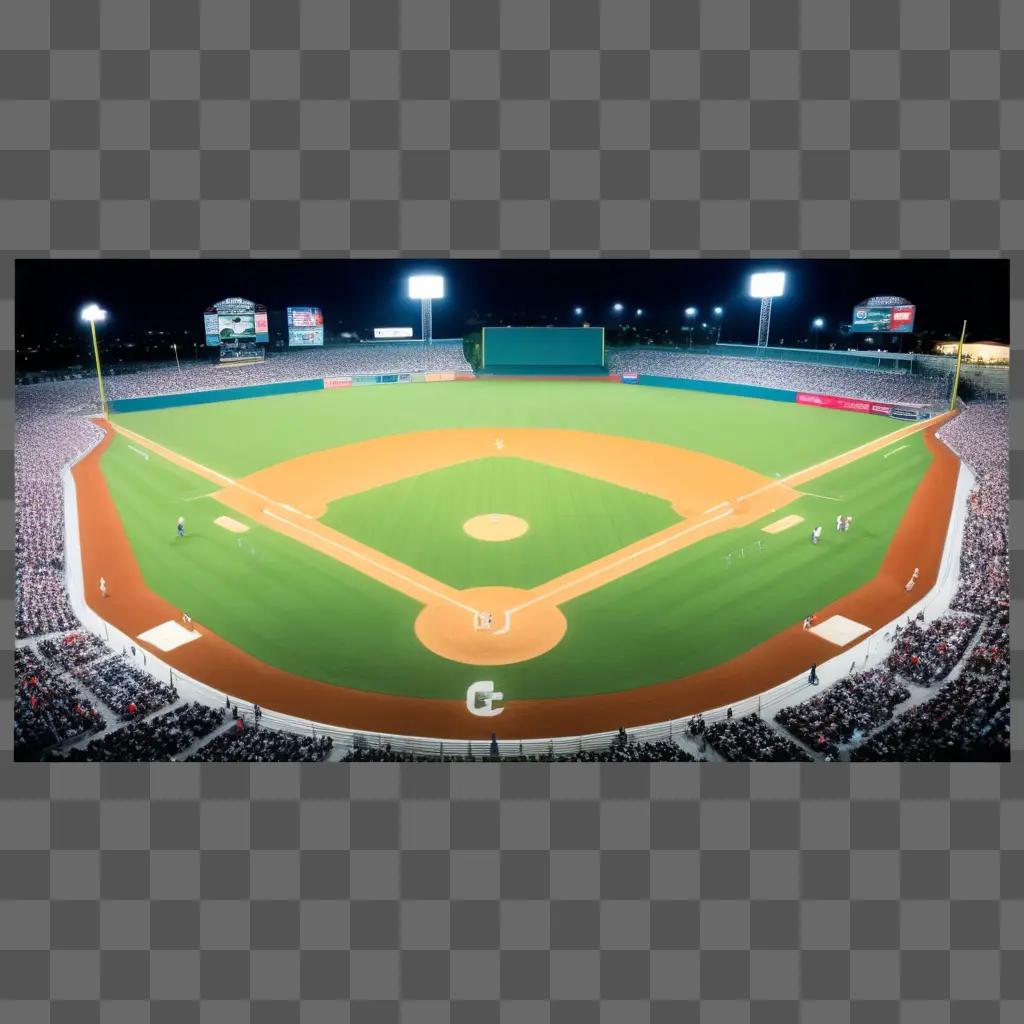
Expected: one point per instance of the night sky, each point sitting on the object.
(171, 295)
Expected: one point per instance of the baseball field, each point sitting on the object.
(606, 555)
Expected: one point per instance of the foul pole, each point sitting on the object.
(959, 360)
(99, 371)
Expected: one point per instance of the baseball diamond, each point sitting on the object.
(625, 548)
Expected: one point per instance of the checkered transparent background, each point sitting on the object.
(510, 893)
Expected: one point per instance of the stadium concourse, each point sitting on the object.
(941, 694)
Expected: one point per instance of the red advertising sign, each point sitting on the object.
(337, 382)
(902, 317)
(849, 404)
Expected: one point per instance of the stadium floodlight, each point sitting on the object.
(92, 315)
(818, 322)
(639, 312)
(766, 286)
(426, 288)
(578, 311)
(690, 311)
(618, 307)
(717, 311)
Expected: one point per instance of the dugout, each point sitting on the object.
(543, 351)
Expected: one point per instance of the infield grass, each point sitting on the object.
(573, 519)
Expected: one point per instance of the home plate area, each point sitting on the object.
(840, 630)
(169, 635)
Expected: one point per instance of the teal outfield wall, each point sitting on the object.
(717, 388)
(219, 395)
(559, 349)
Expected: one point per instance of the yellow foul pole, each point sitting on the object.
(99, 372)
(959, 360)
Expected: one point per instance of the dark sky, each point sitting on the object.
(359, 294)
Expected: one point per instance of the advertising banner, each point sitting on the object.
(847, 404)
(883, 314)
(630, 378)
(391, 333)
(337, 382)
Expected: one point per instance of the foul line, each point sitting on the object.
(894, 451)
(827, 497)
(366, 558)
(139, 451)
(208, 472)
(621, 561)
(876, 444)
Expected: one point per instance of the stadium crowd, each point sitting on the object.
(156, 739)
(52, 430)
(820, 379)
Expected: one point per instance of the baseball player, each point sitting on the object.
(103, 587)
(181, 526)
(839, 524)
(816, 535)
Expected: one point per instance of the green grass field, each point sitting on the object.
(309, 614)
(573, 520)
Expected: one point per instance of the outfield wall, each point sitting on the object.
(183, 398)
(904, 412)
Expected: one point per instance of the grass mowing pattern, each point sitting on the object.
(243, 436)
(301, 611)
(573, 519)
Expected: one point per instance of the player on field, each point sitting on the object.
(181, 526)
(815, 535)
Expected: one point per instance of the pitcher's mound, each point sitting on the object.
(495, 527)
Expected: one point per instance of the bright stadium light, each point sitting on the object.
(766, 286)
(426, 288)
(578, 311)
(818, 322)
(690, 311)
(92, 315)
(618, 307)
(717, 311)
(639, 312)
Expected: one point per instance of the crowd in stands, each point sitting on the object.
(816, 378)
(967, 720)
(967, 716)
(156, 739)
(750, 738)
(48, 710)
(253, 742)
(926, 655)
(619, 751)
(844, 712)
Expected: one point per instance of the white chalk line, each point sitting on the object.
(366, 558)
(139, 451)
(895, 450)
(827, 497)
(897, 435)
(273, 501)
(621, 561)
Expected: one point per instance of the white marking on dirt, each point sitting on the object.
(230, 524)
(714, 508)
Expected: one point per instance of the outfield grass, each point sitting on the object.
(241, 437)
(301, 611)
(573, 519)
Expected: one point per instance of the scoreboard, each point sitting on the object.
(305, 326)
(883, 314)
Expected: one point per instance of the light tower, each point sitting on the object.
(426, 288)
(766, 287)
(93, 314)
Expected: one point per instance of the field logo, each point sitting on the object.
(480, 698)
